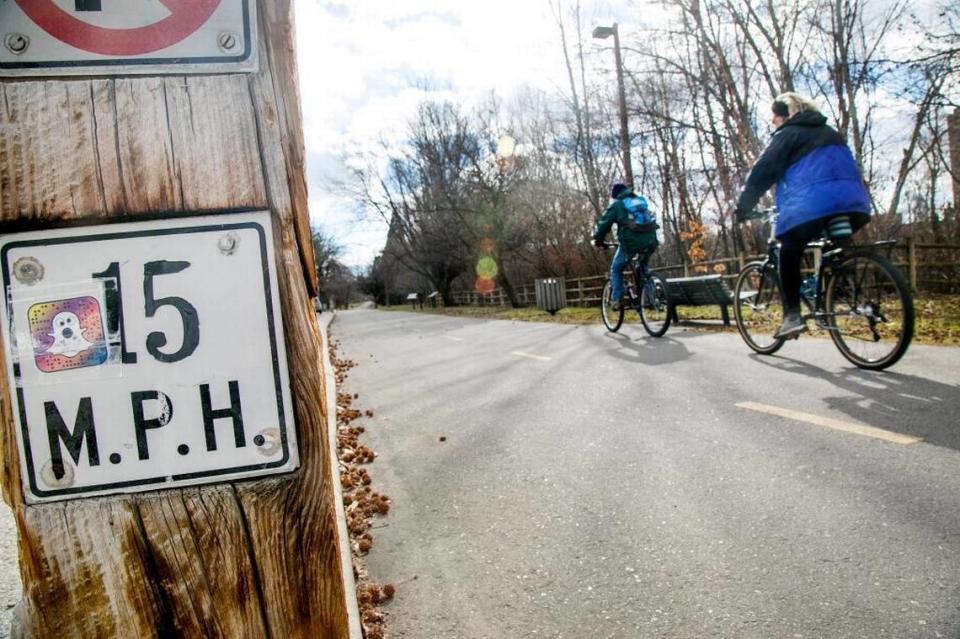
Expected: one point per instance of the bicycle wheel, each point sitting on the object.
(870, 311)
(655, 306)
(611, 319)
(759, 309)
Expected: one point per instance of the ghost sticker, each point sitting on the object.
(67, 334)
(67, 338)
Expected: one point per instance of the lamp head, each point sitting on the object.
(602, 32)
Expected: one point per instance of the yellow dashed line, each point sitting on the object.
(541, 358)
(835, 424)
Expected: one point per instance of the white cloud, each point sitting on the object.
(366, 66)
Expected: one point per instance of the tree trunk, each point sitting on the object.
(953, 136)
(445, 288)
(507, 287)
(253, 558)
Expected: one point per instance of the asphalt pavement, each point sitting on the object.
(562, 481)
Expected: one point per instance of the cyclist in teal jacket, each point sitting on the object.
(636, 232)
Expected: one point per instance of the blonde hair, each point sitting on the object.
(795, 103)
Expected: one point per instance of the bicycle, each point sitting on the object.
(652, 304)
(857, 295)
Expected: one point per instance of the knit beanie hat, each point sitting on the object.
(618, 190)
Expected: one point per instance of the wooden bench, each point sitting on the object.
(706, 290)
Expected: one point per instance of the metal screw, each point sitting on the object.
(28, 270)
(17, 43)
(50, 478)
(228, 243)
(227, 41)
(267, 441)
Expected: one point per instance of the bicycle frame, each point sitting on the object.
(830, 257)
(641, 277)
(817, 312)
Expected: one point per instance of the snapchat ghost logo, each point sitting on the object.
(67, 335)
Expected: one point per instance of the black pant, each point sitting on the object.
(793, 243)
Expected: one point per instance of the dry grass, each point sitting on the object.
(937, 317)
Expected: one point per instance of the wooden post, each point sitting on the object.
(257, 558)
(912, 262)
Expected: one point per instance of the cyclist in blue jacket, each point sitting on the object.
(819, 189)
(636, 233)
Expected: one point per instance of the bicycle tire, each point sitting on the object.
(868, 301)
(655, 312)
(758, 308)
(611, 319)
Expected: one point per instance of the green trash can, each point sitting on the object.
(551, 294)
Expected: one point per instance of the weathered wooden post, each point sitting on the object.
(147, 357)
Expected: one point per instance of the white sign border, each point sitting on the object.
(248, 61)
(33, 494)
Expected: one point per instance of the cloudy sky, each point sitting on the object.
(364, 67)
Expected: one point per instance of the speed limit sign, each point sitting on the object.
(146, 355)
(59, 37)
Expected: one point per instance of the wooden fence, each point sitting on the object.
(933, 268)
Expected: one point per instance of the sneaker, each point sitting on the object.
(616, 305)
(793, 325)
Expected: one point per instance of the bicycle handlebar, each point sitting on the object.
(761, 214)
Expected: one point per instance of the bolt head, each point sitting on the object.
(28, 270)
(49, 477)
(269, 441)
(16, 43)
(228, 243)
(228, 41)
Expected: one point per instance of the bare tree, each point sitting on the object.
(699, 88)
(423, 194)
(584, 137)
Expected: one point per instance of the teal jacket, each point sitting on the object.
(636, 224)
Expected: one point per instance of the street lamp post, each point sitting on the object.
(602, 33)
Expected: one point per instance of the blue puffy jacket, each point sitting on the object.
(815, 174)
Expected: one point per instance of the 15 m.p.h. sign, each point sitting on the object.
(145, 355)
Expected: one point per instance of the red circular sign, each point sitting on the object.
(186, 16)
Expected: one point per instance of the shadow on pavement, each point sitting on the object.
(643, 349)
(899, 403)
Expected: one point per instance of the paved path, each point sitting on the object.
(600, 485)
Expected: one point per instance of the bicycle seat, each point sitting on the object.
(641, 257)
